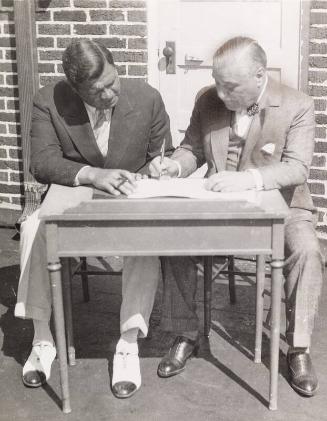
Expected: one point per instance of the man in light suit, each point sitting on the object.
(253, 133)
(92, 129)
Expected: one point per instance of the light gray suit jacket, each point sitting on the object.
(285, 119)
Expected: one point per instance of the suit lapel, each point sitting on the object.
(77, 124)
(121, 128)
(219, 137)
(270, 98)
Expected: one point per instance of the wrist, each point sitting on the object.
(88, 175)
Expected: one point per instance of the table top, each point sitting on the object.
(64, 203)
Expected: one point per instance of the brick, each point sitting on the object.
(45, 42)
(95, 4)
(16, 177)
(317, 91)
(11, 188)
(7, 16)
(321, 229)
(13, 104)
(15, 153)
(317, 188)
(8, 67)
(320, 132)
(10, 55)
(318, 18)
(321, 216)
(137, 70)
(318, 48)
(130, 56)
(122, 4)
(317, 76)
(3, 153)
(51, 55)
(9, 29)
(318, 4)
(7, 3)
(59, 69)
(137, 43)
(121, 70)
(320, 104)
(14, 128)
(46, 80)
(12, 80)
(3, 176)
(3, 128)
(319, 202)
(318, 174)
(2, 79)
(8, 117)
(318, 161)
(47, 4)
(53, 29)
(320, 62)
(138, 30)
(7, 42)
(4, 199)
(1, 54)
(106, 15)
(90, 29)
(42, 15)
(18, 200)
(46, 68)
(70, 16)
(11, 92)
(317, 32)
(321, 118)
(136, 16)
(10, 141)
(112, 42)
(2, 104)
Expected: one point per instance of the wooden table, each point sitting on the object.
(77, 226)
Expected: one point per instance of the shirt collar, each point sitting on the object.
(94, 111)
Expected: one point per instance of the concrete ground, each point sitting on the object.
(222, 383)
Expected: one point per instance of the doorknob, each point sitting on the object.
(170, 53)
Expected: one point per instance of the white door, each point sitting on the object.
(195, 28)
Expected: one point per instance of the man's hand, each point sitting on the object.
(168, 167)
(230, 181)
(112, 181)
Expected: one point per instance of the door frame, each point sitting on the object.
(154, 53)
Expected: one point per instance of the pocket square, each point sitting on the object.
(268, 148)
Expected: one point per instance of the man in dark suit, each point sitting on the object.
(92, 129)
(253, 133)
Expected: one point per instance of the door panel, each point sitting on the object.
(199, 27)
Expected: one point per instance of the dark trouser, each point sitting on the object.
(303, 280)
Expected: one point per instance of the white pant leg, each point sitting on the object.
(139, 285)
(34, 296)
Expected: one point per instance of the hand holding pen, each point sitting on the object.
(161, 165)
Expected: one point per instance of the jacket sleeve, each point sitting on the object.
(293, 169)
(190, 153)
(48, 164)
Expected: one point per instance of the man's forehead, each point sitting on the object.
(107, 77)
(230, 71)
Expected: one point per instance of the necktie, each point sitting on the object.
(253, 109)
(101, 117)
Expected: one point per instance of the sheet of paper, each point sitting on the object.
(185, 187)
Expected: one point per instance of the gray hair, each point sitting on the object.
(241, 47)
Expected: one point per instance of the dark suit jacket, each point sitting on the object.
(285, 120)
(62, 140)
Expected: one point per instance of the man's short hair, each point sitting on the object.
(84, 60)
(241, 47)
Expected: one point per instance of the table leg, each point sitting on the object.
(68, 304)
(207, 285)
(259, 307)
(276, 296)
(58, 312)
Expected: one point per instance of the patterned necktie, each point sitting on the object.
(253, 109)
(101, 117)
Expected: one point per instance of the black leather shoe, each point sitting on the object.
(302, 375)
(124, 390)
(175, 360)
(34, 378)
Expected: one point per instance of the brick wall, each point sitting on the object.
(318, 89)
(118, 24)
(121, 26)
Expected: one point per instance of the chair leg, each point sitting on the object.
(231, 280)
(207, 275)
(259, 307)
(67, 299)
(85, 281)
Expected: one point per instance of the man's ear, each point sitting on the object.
(260, 76)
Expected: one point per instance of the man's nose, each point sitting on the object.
(107, 94)
(221, 94)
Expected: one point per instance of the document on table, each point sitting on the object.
(185, 187)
